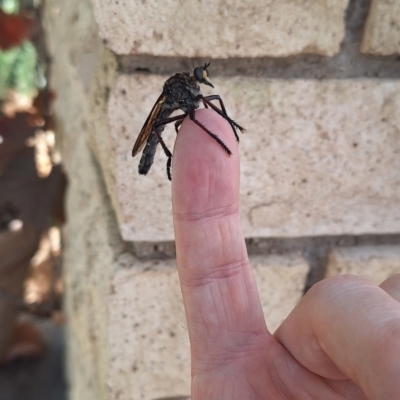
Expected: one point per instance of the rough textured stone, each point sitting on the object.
(222, 29)
(91, 250)
(72, 40)
(88, 263)
(149, 345)
(281, 281)
(318, 157)
(382, 30)
(375, 263)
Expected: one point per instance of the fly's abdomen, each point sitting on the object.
(149, 151)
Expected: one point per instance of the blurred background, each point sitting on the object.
(32, 184)
(90, 304)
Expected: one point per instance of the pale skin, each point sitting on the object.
(342, 341)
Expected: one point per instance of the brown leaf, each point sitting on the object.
(26, 342)
(14, 29)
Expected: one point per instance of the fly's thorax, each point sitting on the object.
(180, 92)
(195, 91)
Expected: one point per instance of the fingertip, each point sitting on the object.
(204, 175)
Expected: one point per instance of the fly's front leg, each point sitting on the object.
(222, 112)
(166, 121)
(213, 135)
(207, 99)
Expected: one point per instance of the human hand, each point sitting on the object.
(342, 341)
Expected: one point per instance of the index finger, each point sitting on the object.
(219, 291)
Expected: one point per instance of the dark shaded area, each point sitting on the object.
(41, 378)
(314, 249)
(37, 379)
(311, 247)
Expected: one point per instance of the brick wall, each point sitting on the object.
(317, 86)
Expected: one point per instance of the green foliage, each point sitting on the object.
(10, 6)
(18, 69)
(17, 65)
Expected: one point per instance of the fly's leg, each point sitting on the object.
(177, 125)
(213, 135)
(166, 121)
(179, 119)
(207, 101)
(222, 112)
(167, 153)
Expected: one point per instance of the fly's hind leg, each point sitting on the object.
(213, 135)
(178, 119)
(178, 124)
(167, 153)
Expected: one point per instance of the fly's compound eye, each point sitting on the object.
(198, 74)
(201, 75)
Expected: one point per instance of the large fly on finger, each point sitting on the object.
(180, 92)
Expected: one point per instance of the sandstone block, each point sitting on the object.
(318, 157)
(222, 29)
(375, 263)
(382, 30)
(280, 281)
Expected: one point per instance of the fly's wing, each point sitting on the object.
(148, 126)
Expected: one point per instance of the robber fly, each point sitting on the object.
(181, 92)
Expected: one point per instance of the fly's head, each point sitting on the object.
(201, 75)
